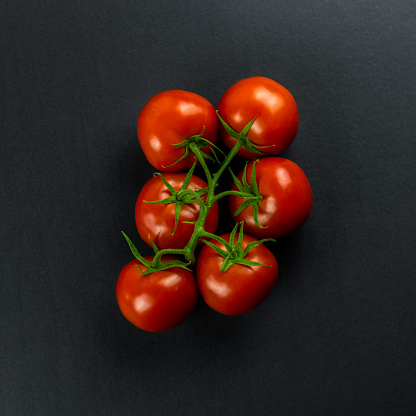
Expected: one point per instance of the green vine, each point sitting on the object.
(233, 253)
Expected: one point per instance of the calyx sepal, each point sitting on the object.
(233, 252)
(157, 264)
(181, 196)
(200, 142)
(242, 136)
(251, 190)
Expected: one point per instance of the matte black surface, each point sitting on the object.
(337, 335)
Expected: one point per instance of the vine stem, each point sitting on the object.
(212, 181)
(198, 230)
(205, 206)
(247, 196)
(227, 161)
(160, 253)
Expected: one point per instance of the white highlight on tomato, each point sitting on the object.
(284, 177)
(142, 303)
(220, 289)
(170, 281)
(155, 143)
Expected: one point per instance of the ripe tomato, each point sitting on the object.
(241, 288)
(158, 221)
(169, 118)
(158, 301)
(287, 198)
(277, 121)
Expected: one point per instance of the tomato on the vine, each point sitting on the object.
(277, 119)
(170, 117)
(157, 221)
(174, 212)
(286, 198)
(157, 301)
(241, 288)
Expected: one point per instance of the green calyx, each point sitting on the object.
(156, 264)
(234, 253)
(181, 196)
(242, 136)
(249, 192)
(200, 142)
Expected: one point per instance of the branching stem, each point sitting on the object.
(194, 144)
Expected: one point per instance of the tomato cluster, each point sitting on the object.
(175, 212)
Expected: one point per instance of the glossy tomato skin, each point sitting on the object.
(240, 289)
(170, 117)
(287, 198)
(158, 301)
(158, 221)
(278, 118)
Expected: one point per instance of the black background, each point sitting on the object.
(337, 334)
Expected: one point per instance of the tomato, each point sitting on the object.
(169, 118)
(158, 301)
(287, 198)
(277, 121)
(158, 220)
(241, 288)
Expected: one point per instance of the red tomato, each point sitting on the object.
(277, 121)
(241, 288)
(169, 118)
(287, 198)
(158, 221)
(158, 301)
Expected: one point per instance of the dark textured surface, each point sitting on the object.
(337, 335)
